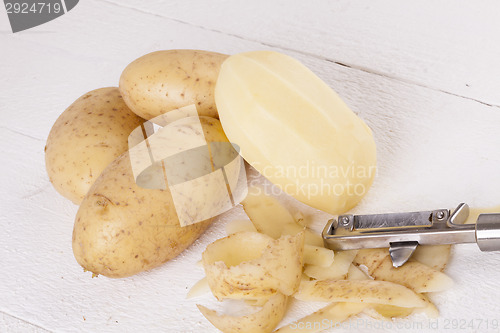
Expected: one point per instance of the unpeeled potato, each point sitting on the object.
(122, 229)
(86, 137)
(161, 81)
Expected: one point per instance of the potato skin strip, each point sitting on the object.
(263, 321)
(325, 318)
(268, 267)
(359, 291)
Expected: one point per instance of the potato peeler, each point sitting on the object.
(403, 232)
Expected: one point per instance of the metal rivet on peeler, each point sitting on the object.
(440, 215)
(344, 220)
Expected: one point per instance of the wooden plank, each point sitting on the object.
(445, 45)
(9, 323)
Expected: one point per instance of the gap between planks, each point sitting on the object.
(284, 48)
(37, 327)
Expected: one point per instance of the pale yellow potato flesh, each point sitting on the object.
(384, 312)
(334, 313)
(318, 256)
(87, 136)
(362, 291)
(354, 273)
(295, 130)
(122, 229)
(267, 214)
(371, 258)
(235, 226)
(162, 81)
(199, 288)
(337, 270)
(263, 321)
(392, 311)
(258, 270)
(434, 256)
(270, 217)
(430, 310)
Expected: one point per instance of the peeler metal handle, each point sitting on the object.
(403, 232)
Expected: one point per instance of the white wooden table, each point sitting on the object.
(425, 75)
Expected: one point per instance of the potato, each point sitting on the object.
(122, 229)
(262, 321)
(295, 130)
(165, 80)
(249, 265)
(86, 137)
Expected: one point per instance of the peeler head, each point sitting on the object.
(403, 232)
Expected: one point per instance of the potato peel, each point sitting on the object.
(270, 217)
(315, 322)
(434, 256)
(278, 268)
(263, 321)
(359, 291)
(414, 275)
(337, 270)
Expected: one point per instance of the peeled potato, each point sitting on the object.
(251, 265)
(363, 291)
(263, 321)
(295, 130)
(86, 137)
(122, 229)
(166, 80)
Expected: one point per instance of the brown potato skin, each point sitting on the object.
(161, 81)
(87, 136)
(122, 229)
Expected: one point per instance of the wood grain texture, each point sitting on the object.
(444, 45)
(435, 148)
